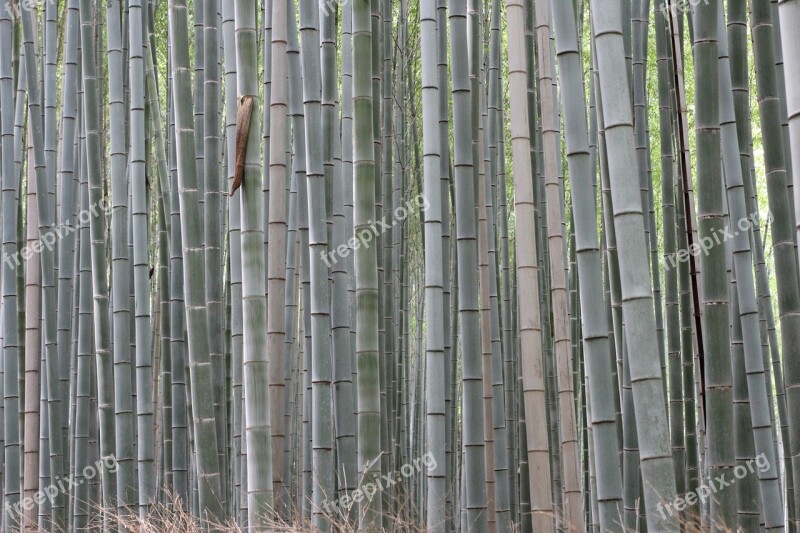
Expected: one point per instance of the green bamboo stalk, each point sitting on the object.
(640, 21)
(687, 202)
(745, 288)
(747, 496)
(737, 37)
(11, 341)
(595, 326)
(388, 49)
(676, 392)
(718, 378)
(786, 263)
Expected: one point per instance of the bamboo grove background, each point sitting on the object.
(400, 265)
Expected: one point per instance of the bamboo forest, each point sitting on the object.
(446, 266)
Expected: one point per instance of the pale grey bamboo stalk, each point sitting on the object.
(41, 221)
(266, 62)
(164, 448)
(100, 296)
(276, 255)
(197, 96)
(60, 403)
(303, 500)
(500, 406)
(257, 410)
(566, 395)
(484, 279)
(780, 75)
(67, 270)
(208, 132)
(120, 265)
(474, 504)
(640, 332)
(200, 373)
(179, 422)
(32, 310)
(83, 386)
(290, 346)
(366, 262)
(145, 446)
(237, 484)
(323, 468)
(530, 329)
(305, 494)
(789, 11)
(337, 176)
(347, 169)
(446, 265)
(434, 303)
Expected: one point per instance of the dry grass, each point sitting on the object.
(173, 518)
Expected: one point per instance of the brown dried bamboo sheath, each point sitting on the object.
(242, 134)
